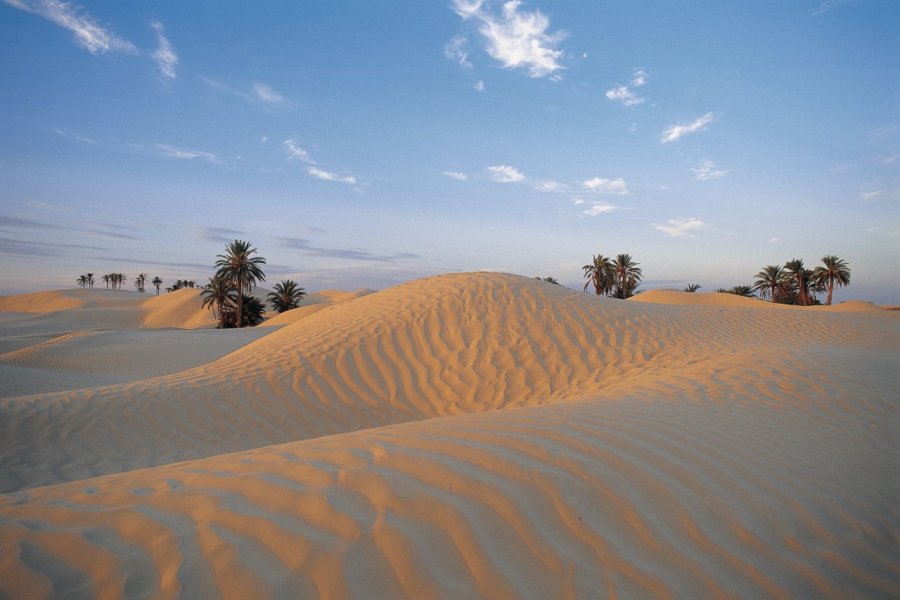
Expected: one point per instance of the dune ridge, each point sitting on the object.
(476, 435)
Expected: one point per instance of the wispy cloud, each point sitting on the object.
(329, 176)
(295, 152)
(626, 94)
(304, 246)
(550, 185)
(676, 131)
(479, 85)
(516, 38)
(829, 5)
(681, 227)
(164, 56)
(599, 208)
(601, 185)
(706, 170)
(456, 175)
(456, 50)
(505, 174)
(267, 94)
(11, 247)
(184, 153)
(219, 234)
(89, 34)
(68, 133)
(12, 223)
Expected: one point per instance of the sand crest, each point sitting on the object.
(473, 435)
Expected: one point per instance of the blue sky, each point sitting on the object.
(362, 144)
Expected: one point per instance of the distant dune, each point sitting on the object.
(466, 435)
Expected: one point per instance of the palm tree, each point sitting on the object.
(692, 287)
(627, 276)
(286, 295)
(599, 274)
(836, 272)
(140, 281)
(90, 280)
(770, 282)
(739, 290)
(549, 279)
(156, 283)
(82, 281)
(106, 279)
(242, 269)
(252, 314)
(799, 276)
(217, 295)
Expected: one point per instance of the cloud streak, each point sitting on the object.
(164, 56)
(305, 247)
(601, 185)
(681, 227)
(515, 38)
(267, 94)
(329, 176)
(505, 174)
(184, 153)
(677, 131)
(88, 33)
(294, 151)
(625, 94)
(706, 170)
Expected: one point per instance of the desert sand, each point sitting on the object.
(473, 435)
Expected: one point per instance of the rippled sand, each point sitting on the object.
(472, 435)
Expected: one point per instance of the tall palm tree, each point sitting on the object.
(82, 281)
(692, 287)
(217, 295)
(90, 280)
(628, 276)
(599, 274)
(799, 276)
(140, 282)
(769, 282)
(286, 295)
(156, 283)
(106, 279)
(242, 269)
(835, 273)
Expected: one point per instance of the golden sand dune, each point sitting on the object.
(642, 450)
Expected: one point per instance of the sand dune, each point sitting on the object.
(475, 435)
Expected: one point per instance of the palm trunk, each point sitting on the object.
(830, 291)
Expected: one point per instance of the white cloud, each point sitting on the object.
(185, 154)
(549, 185)
(68, 133)
(456, 50)
(602, 185)
(624, 94)
(599, 208)
(329, 176)
(706, 170)
(829, 5)
(89, 34)
(479, 85)
(680, 227)
(676, 131)
(505, 174)
(871, 195)
(164, 56)
(296, 152)
(773, 240)
(577, 201)
(267, 94)
(456, 175)
(514, 38)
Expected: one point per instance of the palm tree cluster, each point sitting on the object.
(617, 278)
(180, 284)
(156, 283)
(140, 282)
(115, 280)
(795, 284)
(286, 295)
(238, 271)
(739, 290)
(85, 280)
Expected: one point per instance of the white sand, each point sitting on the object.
(472, 435)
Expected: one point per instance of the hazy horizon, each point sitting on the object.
(357, 145)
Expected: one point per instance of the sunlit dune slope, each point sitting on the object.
(441, 346)
(768, 494)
